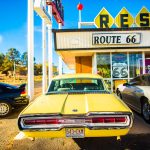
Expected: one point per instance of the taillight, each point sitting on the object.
(121, 119)
(40, 121)
(109, 120)
(76, 121)
(23, 91)
(90, 122)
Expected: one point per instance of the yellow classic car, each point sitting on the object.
(76, 106)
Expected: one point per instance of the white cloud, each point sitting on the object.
(1, 39)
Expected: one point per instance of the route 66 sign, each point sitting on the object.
(119, 70)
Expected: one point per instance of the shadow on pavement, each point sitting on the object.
(129, 142)
(14, 114)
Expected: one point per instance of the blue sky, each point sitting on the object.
(13, 20)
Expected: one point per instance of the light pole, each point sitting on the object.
(30, 39)
(44, 69)
(50, 52)
(60, 59)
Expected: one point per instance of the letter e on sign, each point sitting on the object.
(124, 19)
(143, 18)
(103, 19)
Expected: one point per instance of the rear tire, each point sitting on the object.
(5, 109)
(146, 110)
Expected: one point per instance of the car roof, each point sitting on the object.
(78, 75)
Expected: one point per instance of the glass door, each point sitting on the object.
(119, 69)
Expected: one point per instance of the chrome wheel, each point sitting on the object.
(146, 111)
(4, 109)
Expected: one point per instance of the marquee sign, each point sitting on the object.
(116, 38)
(143, 18)
(57, 10)
(123, 20)
(41, 11)
(104, 19)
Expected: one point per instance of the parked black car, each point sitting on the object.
(12, 97)
(136, 94)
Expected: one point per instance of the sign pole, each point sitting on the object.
(30, 49)
(50, 52)
(79, 23)
(44, 77)
(60, 59)
(79, 7)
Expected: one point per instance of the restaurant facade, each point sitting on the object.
(118, 48)
(117, 54)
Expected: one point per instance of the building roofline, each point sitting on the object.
(100, 29)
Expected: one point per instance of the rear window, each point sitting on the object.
(78, 84)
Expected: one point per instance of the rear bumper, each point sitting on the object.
(89, 129)
(87, 132)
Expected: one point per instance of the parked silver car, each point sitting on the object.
(136, 94)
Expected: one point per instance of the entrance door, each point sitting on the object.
(83, 64)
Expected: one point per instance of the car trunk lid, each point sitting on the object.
(73, 104)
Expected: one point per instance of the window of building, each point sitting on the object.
(119, 65)
(135, 64)
(123, 67)
(147, 62)
(103, 65)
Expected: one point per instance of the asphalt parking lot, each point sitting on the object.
(137, 139)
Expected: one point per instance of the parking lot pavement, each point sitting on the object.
(137, 139)
(129, 142)
(139, 125)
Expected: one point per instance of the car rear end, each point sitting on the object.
(20, 96)
(76, 112)
(94, 124)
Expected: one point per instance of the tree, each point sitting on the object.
(24, 59)
(6, 66)
(2, 56)
(14, 56)
(38, 69)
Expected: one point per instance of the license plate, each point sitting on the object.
(75, 132)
